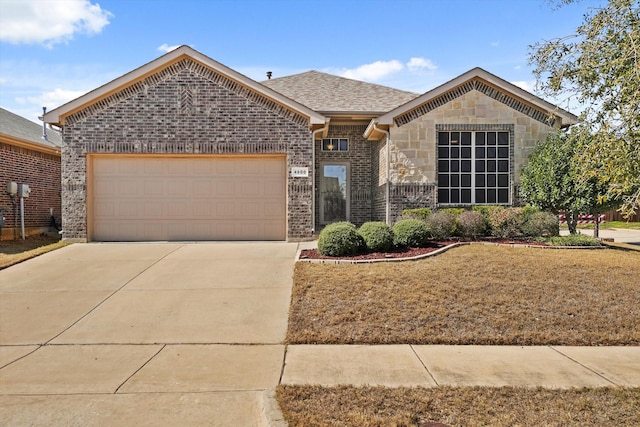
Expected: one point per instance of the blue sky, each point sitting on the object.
(52, 51)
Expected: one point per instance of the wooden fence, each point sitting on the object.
(617, 216)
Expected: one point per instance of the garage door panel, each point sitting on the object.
(208, 198)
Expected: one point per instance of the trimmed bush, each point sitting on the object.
(410, 233)
(442, 224)
(419, 213)
(486, 212)
(471, 224)
(456, 211)
(339, 239)
(378, 236)
(507, 223)
(541, 224)
(574, 240)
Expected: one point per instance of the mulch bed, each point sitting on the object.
(411, 252)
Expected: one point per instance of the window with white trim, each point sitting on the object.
(335, 144)
(473, 167)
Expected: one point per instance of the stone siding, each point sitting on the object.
(41, 171)
(185, 108)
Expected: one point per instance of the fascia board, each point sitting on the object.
(56, 116)
(30, 145)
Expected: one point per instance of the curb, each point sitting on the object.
(271, 413)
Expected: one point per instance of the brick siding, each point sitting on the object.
(41, 171)
(185, 108)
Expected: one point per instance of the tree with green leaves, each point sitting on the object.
(552, 181)
(599, 66)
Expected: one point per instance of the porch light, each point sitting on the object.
(330, 146)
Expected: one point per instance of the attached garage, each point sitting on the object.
(158, 198)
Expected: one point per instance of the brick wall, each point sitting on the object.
(42, 172)
(359, 159)
(185, 108)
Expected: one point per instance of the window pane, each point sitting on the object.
(455, 180)
(455, 165)
(503, 180)
(466, 138)
(443, 180)
(480, 165)
(503, 196)
(503, 152)
(455, 152)
(503, 138)
(455, 138)
(503, 165)
(491, 180)
(343, 145)
(465, 179)
(443, 196)
(465, 152)
(480, 181)
(491, 152)
(466, 165)
(443, 138)
(443, 152)
(480, 138)
(491, 138)
(465, 196)
(491, 165)
(455, 196)
(480, 152)
(491, 196)
(480, 196)
(443, 166)
(325, 144)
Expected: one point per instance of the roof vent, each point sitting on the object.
(269, 74)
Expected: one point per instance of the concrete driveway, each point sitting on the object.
(144, 334)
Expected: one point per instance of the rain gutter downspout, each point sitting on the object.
(313, 175)
(388, 192)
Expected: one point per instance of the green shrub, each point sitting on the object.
(442, 224)
(486, 212)
(410, 232)
(471, 224)
(378, 236)
(456, 211)
(419, 213)
(574, 240)
(339, 239)
(541, 224)
(507, 223)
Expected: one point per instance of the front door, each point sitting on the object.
(334, 192)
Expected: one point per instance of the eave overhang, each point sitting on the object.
(30, 145)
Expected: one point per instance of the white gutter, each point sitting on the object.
(388, 195)
(313, 174)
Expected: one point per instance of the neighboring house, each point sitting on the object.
(184, 148)
(27, 158)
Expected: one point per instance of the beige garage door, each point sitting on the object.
(187, 198)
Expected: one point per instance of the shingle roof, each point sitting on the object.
(326, 93)
(18, 127)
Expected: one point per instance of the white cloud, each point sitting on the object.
(528, 86)
(374, 71)
(417, 64)
(166, 48)
(54, 98)
(495, 43)
(517, 67)
(50, 22)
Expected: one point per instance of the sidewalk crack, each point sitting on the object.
(140, 368)
(424, 365)
(584, 366)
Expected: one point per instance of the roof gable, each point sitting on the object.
(153, 72)
(24, 132)
(329, 94)
(484, 82)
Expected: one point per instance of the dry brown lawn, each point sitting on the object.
(472, 295)
(311, 406)
(15, 251)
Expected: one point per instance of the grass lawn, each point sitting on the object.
(311, 406)
(468, 295)
(15, 251)
(611, 224)
(472, 295)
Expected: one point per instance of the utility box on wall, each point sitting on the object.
(12, 188)
(23, 190)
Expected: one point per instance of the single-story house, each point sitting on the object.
(26, 157)
(185, 148)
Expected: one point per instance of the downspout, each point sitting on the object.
(388, 192)
(313, 175)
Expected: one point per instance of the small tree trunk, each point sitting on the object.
(596, 226)
(572, 222)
